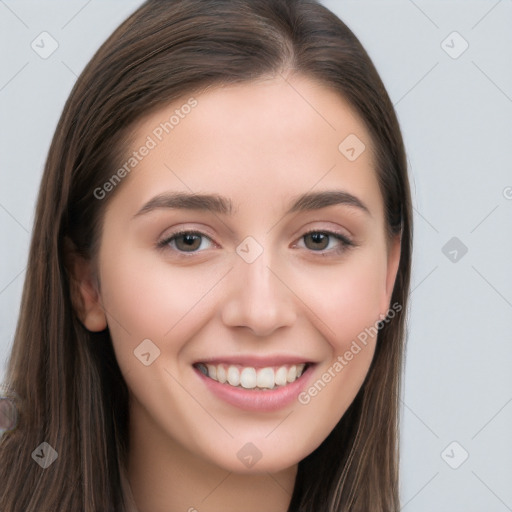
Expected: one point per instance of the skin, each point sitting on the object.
(260, 144)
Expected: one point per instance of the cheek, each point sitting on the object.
(147, 298)
(344, 304)
(345, 299)
(347, 310)
(353, 304)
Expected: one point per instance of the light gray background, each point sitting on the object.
(456, 117)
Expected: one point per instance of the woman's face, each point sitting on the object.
(245, 242)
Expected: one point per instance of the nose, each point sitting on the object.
(258, 298)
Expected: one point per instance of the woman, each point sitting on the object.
(213, 313)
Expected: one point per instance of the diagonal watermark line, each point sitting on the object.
(410, 499)
(301, 301)
(177, 177)
(279, 483)
(199, 403)
(492, 211)
(493, 287)
(279, 424)
(417, 83)
(76, 14)
(491, 80)
(491, 491)
(14, 218)
(426, 277)
(307, 102)
(190, 189)
(425, 219)
(13, 13)
(312, 187)
(197, 302)
(424, 14)
(12, 280)
(69, 69)
(412, 412)
(486, 14)
(492, 419)
(14, 76)
(107, 313)
(215, 488)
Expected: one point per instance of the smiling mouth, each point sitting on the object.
(248, 377)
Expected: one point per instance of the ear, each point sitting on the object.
(84, 290)
(394, 248)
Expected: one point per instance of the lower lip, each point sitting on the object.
(256, 400)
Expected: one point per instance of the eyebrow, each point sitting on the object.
(318, 200)
(181, 200)
(222, 205)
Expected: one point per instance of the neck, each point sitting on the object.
(166, 477)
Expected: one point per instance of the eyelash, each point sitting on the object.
(345, 243)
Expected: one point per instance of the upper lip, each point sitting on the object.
(256, 361)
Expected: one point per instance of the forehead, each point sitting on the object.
(258, 141)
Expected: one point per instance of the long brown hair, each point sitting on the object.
(64, 379)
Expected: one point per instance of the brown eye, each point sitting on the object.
(188, 241)
(316, 241)
(325, 242)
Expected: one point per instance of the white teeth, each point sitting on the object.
(212, 371)
(221, 374)
(280, 377)
(292, 373)
(233, 376)
(248, 378)
(251, 378)
(265, 378)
